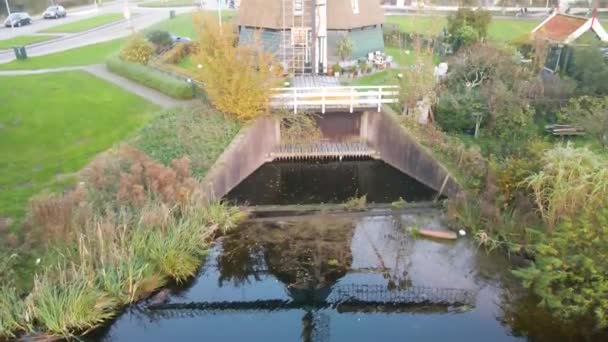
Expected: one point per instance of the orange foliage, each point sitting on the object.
(237, 78)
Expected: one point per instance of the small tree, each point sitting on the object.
(237, 78)
(345, 48)
(137, 50)
(590, 69)
(417, 83)
(467, 27)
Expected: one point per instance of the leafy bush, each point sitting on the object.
(237, 78)
(590, 69)
(162, 39)
(345, 48)
(569, 271)
(455, 113)
(467, 26)
(177, 53)
(149, 77)
(137, 50)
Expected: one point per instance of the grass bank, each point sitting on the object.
(183, 25)
(52, 125)
(500, 29)
(152, 78)
(131, 225)
(86, 24)
(23, 40)
(85, 55)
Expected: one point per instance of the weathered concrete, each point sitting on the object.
(248, 151)
(383, 132)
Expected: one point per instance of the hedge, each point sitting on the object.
(152, 78)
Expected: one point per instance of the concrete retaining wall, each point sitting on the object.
(249, 150)
(384, 133)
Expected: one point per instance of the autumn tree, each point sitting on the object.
(238, 78)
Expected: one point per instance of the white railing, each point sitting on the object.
(323, 98)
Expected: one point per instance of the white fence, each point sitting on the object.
(340, 98)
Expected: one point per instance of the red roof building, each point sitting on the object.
(565, 29)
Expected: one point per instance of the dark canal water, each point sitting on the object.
(342, 278)
(328, 182)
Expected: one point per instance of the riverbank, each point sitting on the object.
(122, 233)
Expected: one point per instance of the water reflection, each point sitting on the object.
(351, 279)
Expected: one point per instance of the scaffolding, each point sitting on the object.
(296, 36)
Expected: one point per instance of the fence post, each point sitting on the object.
(379, 99)
(352, 99)
(322, 100)
(295, 101)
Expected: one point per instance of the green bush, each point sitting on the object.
(149, 77)
(159, 38)
(137, 50)
(455, 112)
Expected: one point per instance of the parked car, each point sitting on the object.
(178, 39)
(18, 19)
(55, 12)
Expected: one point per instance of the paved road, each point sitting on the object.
(141, 20)
(74, 14)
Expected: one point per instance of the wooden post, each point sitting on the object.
(295, 101)
(352, 99)
(323, 100)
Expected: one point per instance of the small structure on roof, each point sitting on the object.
(561, 30)
(305, 34)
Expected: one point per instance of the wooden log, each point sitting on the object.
(439, 234)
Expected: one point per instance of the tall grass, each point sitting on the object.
(131, 226)
(571, 179)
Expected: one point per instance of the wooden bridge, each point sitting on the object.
(335, 98)
(323, 150)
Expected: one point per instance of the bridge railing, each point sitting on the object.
(323, 98)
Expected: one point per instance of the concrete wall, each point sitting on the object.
(384, 133)
(249, 150)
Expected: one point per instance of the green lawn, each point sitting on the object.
(51, 125)
(182, 25)
(90, 54)
(501, 30)
(86, 24)
(23, 40)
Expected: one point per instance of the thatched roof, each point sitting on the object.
(340, 16)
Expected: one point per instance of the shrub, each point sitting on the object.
(345, 48)
(137, 50)
(237, 78)
(177, 53)
(569, 271)
(455, 113)
(152, 78)
(162, 39)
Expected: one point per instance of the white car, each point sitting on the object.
(55, 12)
